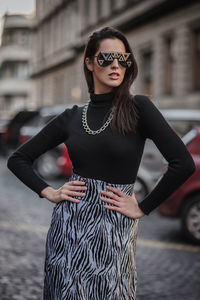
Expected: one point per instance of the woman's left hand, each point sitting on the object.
(125, 204)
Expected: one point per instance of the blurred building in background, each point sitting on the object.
(57, 55)
(164, 35)
(15, 83)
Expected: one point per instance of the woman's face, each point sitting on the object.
(104, 82)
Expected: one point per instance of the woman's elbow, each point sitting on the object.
(10, 162)
(13, 160)
(190, 166)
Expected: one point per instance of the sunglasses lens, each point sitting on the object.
(107, 63)
(123, 64)
(102, 61)
(106, 60)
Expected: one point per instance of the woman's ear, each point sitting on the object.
(89, 64)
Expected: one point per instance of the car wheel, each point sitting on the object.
(47, 165)
(191, 219)
(140, 189)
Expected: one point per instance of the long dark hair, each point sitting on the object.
(124, 108)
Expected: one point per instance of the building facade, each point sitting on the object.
(164, 36)
(15, 83)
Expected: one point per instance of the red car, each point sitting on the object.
(64, 162)
(185, 202)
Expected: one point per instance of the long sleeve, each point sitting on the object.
(20, 162)
(180, 162)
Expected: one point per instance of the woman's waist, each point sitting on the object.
(95, 186)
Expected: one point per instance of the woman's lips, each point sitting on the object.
(114, 75)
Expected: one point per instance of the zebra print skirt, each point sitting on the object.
(90, 250)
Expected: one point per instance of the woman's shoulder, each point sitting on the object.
(73, 109)
(142, 100)
(145, 105)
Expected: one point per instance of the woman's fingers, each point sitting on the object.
(110, 201)
(111, 195)
(126, 205)
(114, 193)
(68, 198)
(76, 182)
(71, 189)
(115, 190)
(72, 193)
(75, 188)
(72, 185)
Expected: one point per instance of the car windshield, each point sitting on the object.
(40, 121)
(183, 126)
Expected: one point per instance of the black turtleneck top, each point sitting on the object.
(108, 156)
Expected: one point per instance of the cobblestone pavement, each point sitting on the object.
(168, 267)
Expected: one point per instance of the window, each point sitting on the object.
(87, 11)
(196, 59)
(168, 65)
(112, 5)
(59, 88)
(8, 38)
(25, 37)
(147, 72)
(22, 70)
(99, 9)
(133, 1)
(15, 70)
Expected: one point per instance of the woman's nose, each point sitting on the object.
(115, 62)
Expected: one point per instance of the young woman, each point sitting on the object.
(90, 246)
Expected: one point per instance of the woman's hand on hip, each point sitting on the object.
(125, 204)
(65, 192)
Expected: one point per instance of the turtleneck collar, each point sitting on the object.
(101, 99)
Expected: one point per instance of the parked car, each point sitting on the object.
(55, 162)
(3, 124)
(144, 183)
(11, 131)
(182, 121)
(185, 202)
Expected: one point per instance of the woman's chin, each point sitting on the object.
(114, 83)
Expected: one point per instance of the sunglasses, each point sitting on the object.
(104, 59)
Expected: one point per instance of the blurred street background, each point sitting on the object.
(41, 73)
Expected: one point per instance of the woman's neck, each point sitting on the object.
(104, 99)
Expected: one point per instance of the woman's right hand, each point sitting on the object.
(65, 192)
